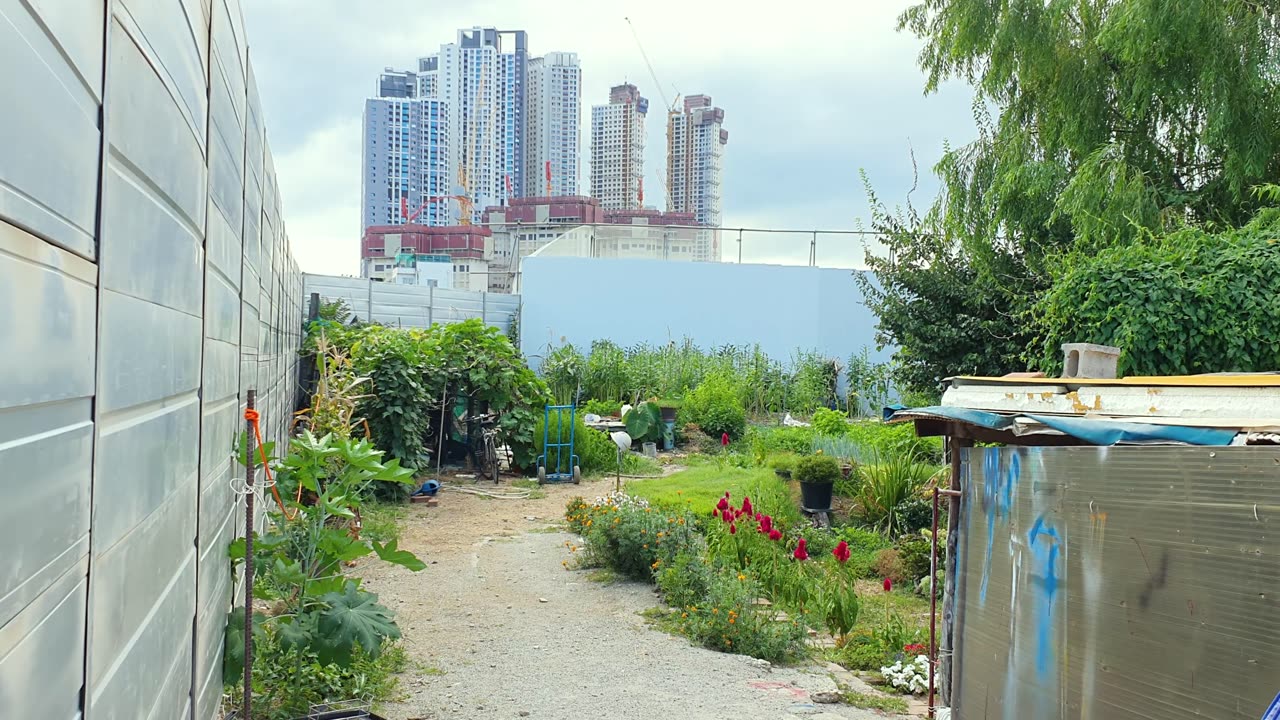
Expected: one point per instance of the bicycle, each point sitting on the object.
(485, 451)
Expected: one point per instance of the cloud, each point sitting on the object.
(811, 95)
(320, 189)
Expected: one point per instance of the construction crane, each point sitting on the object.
(671, 111)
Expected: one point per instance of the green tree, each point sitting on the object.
(1099, 120)
(1187, 302)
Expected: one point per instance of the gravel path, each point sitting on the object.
(497, 628)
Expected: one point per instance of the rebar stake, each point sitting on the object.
(248, 556)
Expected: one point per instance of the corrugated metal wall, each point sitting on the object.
(147, 284)
(414, 306)
(1110, 583)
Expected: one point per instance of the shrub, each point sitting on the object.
(603, 408)
(596, 451)
(830, 422)
(889, 564)
(864, 546)
(730, 620)
(686, 580)
(796, 440)
(782, 462)
(917, 514)
(634, 540)
(714, 407)
(1188, 302)
(288, 682)
(412, 371)
(817, 469)
(914, 552)
(888, 489)
(878, 439)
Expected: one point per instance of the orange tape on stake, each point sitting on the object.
(253, 416)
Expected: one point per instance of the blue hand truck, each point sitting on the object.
(562, 448)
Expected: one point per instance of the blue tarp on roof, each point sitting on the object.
(1095, 431)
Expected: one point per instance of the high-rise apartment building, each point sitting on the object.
(617, 149)
(406, 175)
(553, 102)
(495, 119)
(695, 153)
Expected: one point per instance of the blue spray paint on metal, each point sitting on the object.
(1045, 575)
(997, 498)
(1273, 712)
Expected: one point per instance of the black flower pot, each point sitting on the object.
(816, 497)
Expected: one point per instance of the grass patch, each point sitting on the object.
(874, 702)
(699, 487)
(605, 576)
(381, 521)
(536, 491)
(887, 623)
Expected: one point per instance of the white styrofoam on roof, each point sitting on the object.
(1221, 406)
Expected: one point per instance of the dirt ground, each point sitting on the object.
(497, 627)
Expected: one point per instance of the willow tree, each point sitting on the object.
(1099, 121)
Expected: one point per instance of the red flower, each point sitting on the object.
(888, 585)
(913, 648)
(724, 440)
(842, 551)
(775, 534)
(746, 506)
(723, 504)
(726, 515)
(733, 528)
(766, 524)
(801, 553)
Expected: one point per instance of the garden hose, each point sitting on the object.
(507, 494)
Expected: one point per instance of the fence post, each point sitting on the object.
(813, 250)
(369, 300)
(431, 305)
(484, 307)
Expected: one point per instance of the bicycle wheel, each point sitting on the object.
(491, 457)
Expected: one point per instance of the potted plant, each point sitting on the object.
(817, 475)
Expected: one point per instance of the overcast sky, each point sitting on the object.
(812, 93)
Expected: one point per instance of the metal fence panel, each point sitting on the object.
(1111, 583)
(51, 53)
(413, 305)
(122, 382)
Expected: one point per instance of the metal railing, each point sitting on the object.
(680, 243)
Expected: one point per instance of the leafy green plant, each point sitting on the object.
(796, 440)
(888, 490)
(864, 546)
(715, 407)
(818, 469)
(288, 682)
(596, 451)
(730, 620)
(832, 423)
(644, 422)
(686, 580)
(302, 558)
(1189, 302)
(415, 373)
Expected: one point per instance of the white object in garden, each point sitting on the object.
(912, 677)
(591, 418)
(623, 412)
(789, 421)
(621, 439)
